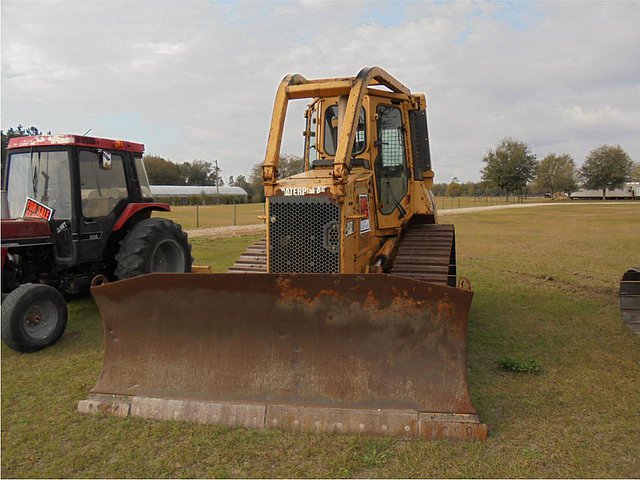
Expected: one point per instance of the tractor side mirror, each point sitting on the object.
(105, 160)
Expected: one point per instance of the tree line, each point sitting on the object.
(165, 172)
(509, 169)
(196, 173)
(513, 168)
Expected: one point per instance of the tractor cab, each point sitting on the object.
(79, 185)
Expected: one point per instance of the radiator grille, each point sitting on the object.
(304, 235)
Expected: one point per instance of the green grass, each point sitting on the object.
(206, 216)
(514, 365)
(221, 253)
(545, 282)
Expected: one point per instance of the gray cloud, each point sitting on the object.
(197, 79)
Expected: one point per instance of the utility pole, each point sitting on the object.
(217, 183)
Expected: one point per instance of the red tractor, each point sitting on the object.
(76, 211)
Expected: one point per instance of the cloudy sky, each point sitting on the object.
(196, 80)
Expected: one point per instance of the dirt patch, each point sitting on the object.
(543, 279)
(228, 232)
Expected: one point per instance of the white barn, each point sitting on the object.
(631, 190)
(158, 192)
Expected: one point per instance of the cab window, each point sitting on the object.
(143, 179)
(43, 176)
(101, 188)
(391, 163)
(331, 131)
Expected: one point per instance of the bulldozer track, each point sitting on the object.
(426, 252)
(253, 259)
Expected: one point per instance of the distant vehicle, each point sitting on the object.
(630, 191)
(557, 195)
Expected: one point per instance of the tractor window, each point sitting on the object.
(43, 176)
(100, 188)
(143, 179)
(331, 131)
(391, 168)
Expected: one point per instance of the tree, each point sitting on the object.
(510, 166)
(635, 172)
(557, 173)
(200, 172)
(242, 182)
(255, 180)
(290, 165)
(606, 167)
(454, 189)
(162, 172)
(439, 189)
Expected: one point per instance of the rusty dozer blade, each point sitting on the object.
(372, 354)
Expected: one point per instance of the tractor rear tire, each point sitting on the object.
(153, 245)
(34, 316)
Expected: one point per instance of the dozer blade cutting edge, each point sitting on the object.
(372, 354)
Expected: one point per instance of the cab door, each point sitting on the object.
(391, 166)
(103, 196)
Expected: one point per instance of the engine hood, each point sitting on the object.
(15, 228)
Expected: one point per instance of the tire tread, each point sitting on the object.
(131, 258)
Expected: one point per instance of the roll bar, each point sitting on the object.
(296, 87)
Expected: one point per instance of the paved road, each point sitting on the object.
(243, 230)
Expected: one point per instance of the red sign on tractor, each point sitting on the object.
(33, 208)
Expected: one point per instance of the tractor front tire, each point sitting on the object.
(34, 316)
(153, 245)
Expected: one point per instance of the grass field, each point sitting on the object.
(545, 282)
(207, 216)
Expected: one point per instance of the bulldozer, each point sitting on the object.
(347, 317)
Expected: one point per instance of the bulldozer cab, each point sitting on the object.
(367, 153)
(381, 148)
(80, 185)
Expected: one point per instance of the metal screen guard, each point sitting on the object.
(304, 235)
(349, 341)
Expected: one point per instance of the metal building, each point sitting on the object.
(237, 194)
(630, 191)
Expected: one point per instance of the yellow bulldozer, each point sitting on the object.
(347, 317)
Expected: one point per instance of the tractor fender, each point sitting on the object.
(141, 210)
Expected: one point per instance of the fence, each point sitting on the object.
(208, 216)
(461, 202)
